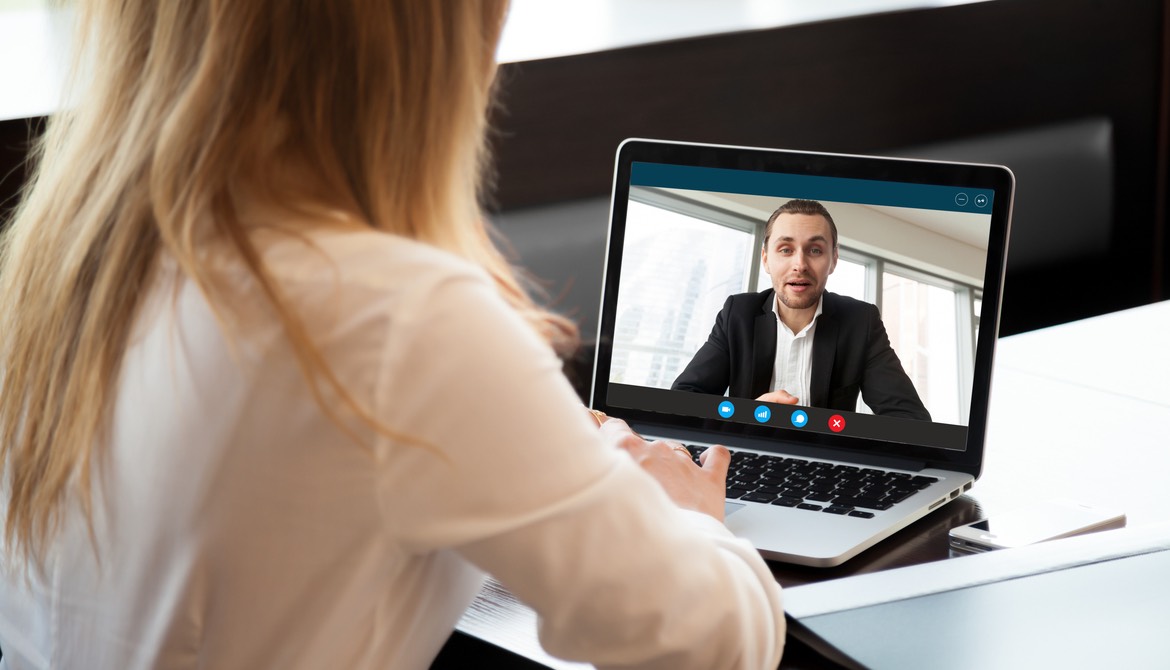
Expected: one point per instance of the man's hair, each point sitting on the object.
(810, 207)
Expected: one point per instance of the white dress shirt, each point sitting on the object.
(792, 369)
(238, 527)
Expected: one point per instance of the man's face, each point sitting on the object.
(800, 256)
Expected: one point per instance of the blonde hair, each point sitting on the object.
(383, 102)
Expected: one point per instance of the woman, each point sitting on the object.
(271, 397)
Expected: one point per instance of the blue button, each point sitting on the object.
(799, 418)
(726, 409)
(763, 414)
(980, 200)
(961, 200)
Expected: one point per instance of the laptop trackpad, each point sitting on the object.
(730, 508)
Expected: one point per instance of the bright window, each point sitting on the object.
(921, 318)
(683, 268)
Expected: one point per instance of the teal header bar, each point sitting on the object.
(833, 189)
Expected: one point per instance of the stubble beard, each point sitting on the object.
(809, 299)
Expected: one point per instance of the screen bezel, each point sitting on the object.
(966, 175)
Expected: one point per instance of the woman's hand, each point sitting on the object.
(702, 489)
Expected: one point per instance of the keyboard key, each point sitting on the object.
(759, 496)
(737, 493)
(820, 497)
(896, 496)
(822, 486)
(922, 482)
(870, 503)
(786, 501)
(809, 506)
(837, 509)
(861, 515)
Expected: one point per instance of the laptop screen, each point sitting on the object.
(828, 300)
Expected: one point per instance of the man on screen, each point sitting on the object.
(797, 343)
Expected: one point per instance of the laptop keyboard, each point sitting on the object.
(816, 486)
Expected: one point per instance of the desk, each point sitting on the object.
(1066, 419)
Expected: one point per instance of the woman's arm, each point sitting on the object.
(528, 489)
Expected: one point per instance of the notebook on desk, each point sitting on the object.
(848, 426)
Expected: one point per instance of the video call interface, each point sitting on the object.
(890, 354)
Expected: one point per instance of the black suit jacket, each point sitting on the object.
(851, 355)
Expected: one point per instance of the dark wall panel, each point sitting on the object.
(874, 84)
(16, 138)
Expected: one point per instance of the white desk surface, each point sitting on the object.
(1087, 404)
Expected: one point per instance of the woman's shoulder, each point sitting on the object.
(352, 275)
(361, 258)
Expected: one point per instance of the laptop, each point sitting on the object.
(896, 379)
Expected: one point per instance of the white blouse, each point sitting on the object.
(238, 527)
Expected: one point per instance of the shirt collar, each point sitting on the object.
(820, 308)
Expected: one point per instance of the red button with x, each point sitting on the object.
(836, 423)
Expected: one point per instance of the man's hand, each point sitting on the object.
(691, 487)
(780, 397)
